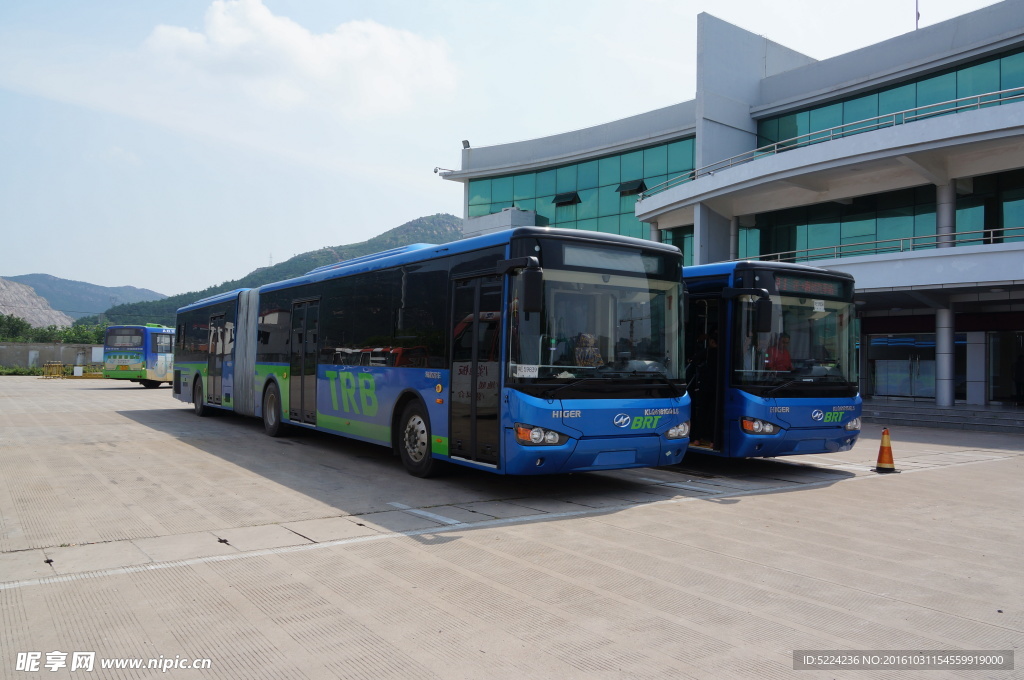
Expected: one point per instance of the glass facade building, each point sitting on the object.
(994, 74)
(923, 203)
(597, 195)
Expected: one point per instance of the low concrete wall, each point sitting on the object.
(36, 354)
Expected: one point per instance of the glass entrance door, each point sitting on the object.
(903, 365)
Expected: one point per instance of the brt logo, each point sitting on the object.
(357, 392)
(831, 417)
(638, 423)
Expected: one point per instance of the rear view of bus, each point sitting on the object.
(774, 362)
(141, 354)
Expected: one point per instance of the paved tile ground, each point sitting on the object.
(134, 530)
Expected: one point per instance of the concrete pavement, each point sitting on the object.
(133, 530)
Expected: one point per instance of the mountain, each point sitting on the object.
(17, 299)
(77, 298)
(440, 228)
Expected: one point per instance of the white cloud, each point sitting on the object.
(361, 70)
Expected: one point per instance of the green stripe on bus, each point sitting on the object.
(377, 433)
(439, 445)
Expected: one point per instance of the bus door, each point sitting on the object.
(302, 380)
(215, 363)
(705, 378)
(475, 428)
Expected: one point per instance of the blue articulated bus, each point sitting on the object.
(141, 354)
(527, 351)
(772, 366)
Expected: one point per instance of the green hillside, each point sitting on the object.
(440, 228)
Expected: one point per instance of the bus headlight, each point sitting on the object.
(853, 424)
(755, 426)
(680, 431)
(532, 435)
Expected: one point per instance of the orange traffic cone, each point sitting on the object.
(885, 463)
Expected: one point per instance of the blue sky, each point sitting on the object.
(178, 144)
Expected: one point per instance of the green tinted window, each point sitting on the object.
(587, 207)
(629, 225)
(608, 201)
(524, 186)
(479, 191)
(480, 210)
(897, 223)
(546, 183)
(680, 156)
(501, 190)
(924, 219)
(565, 179)
(767, 132)
(977, 79)
(655, 161)
(632, 166)
(608, 171)
(826, 117)
(936, 90)
(526, 203)
(1013, 214)
(794, 125)
(545, 208)
(565, 213)
(897, 99)
(609, 224)
(587, 175)
(1011, 72)
(823, 222)
(859, 109)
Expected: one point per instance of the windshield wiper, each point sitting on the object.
(548, 394)
(787, 384)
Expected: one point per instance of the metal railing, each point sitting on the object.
(896, 245)
(972, 102)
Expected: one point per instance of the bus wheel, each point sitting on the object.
(414, 442)
(150, 383)
(198, 404)
(272, 411)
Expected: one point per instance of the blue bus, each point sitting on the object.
(141, 354)
(527, 351)
(772, 367)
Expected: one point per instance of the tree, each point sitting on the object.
(13, 328)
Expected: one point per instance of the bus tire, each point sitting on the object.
(413, 441)
(150, 384)
(272, 424)
(198, 404)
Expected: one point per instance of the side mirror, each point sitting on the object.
(533, 290)
(763, 315)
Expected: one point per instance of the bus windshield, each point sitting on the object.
(810, 350)
(124, 338)
(596, 326)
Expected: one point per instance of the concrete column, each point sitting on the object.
(655, 232)
(734, 238)
(945, 365)
(945, 214)
(710, 236)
